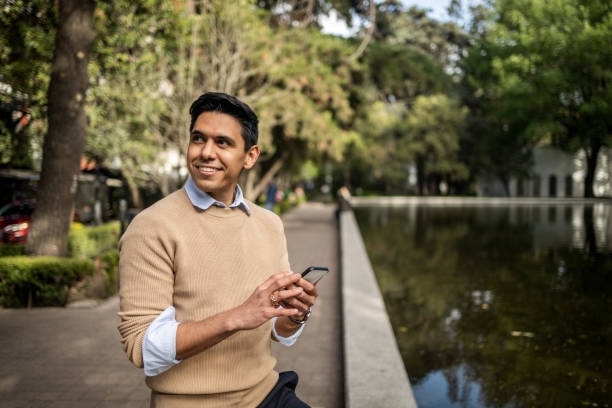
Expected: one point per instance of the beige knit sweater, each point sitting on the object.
(202, 263)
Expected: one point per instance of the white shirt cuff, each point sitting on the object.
(159, 343)
(286, 341)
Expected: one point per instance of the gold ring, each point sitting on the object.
(274, 300)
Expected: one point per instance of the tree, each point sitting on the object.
(556, 63)
(129, 62)
(65, 139)
(432, 138)
(413, 28)
(422, 52)
(493, 143)
(227, 47)
(26, 39)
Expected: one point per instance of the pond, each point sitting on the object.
(498, 306)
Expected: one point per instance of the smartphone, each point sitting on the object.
(313, 274)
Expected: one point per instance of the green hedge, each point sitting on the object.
(88, 242)
(11, 250)
(40, 281)
(110, 268)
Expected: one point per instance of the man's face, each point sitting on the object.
(216, 155)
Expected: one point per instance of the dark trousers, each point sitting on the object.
(283, 393)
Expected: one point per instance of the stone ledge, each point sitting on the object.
(374, 371)
(402, 201)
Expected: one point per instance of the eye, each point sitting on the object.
(196, 138)
(223, 142)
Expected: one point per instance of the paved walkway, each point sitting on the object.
(312, 239)
(66, 357)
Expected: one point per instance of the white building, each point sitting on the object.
(555, 173)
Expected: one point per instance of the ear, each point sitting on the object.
(251, 157)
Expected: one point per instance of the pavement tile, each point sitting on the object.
(47, 396)
(71, 395)
(93, 396)
(39, 403)
(127, 404)
(139, 394)
(14, 404)
(74, 404)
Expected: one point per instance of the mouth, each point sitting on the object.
(206, 169)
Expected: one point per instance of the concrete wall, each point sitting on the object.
(374, 371)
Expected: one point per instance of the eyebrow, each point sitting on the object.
(225, 138)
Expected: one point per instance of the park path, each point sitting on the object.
(71, 357)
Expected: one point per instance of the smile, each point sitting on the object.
(206, 169)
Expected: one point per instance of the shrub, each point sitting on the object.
(110, 269)
(11, 250)
(88, 242)
(40, 281)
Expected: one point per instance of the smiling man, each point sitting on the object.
(205, 278)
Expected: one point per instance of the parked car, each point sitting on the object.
(15, 220)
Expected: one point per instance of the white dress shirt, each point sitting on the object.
(159, 342)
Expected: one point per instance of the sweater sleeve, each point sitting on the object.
(146, 282)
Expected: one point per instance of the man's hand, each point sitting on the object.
(258, 308)
(304, 300)
(194, 337)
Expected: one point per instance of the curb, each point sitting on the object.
(375, 375)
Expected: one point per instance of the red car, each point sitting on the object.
(15, 221)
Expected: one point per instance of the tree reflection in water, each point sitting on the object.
(498, 306)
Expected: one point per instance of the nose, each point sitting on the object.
(208, 150)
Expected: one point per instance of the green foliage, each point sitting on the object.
(110, 268)
(47, 280)
(413, 29)
(11, 249)
(412, 73)
(433, 135)
(529, 71)
(40, 281)
(27, 30)
(128, 69)
(551, 61)
(88, 242)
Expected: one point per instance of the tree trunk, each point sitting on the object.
(368, 36)
(591, 159)
(505, 180)
(252, 194)
(65, 139)
(420, 165)
(135, 194)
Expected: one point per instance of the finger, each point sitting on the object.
(277, 281)
(288, 293)
(297, 304)
(286, 312)
(308, 287)
(306, 299)
(281, 281)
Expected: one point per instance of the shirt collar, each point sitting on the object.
(203, 200)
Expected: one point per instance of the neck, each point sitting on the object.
(226, 198)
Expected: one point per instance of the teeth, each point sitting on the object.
(207, 169)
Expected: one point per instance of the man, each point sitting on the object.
(205, 278)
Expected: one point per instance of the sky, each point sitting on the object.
(331, 24)
(438, 7)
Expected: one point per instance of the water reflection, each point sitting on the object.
(498, 306)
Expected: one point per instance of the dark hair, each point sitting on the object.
(230, 105)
